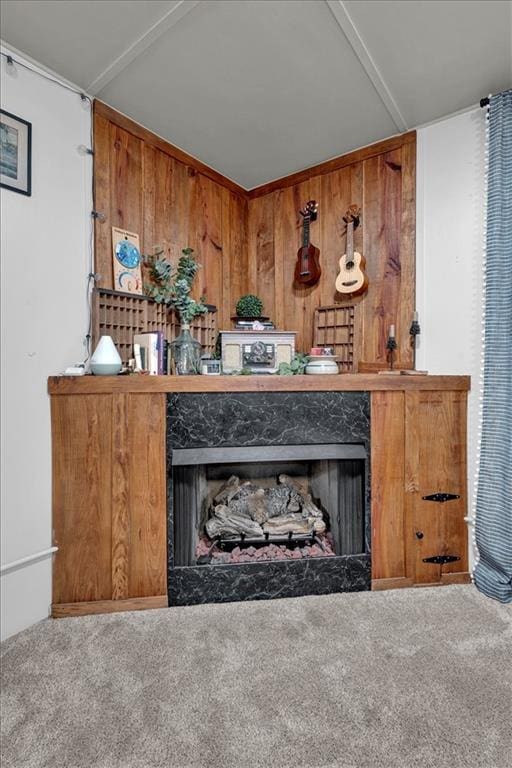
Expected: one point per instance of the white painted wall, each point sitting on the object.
(449, 249)
(44, 268)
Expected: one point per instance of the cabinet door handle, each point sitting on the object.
(419, 534)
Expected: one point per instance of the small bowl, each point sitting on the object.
(322, 365)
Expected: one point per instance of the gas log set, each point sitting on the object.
(248, 522)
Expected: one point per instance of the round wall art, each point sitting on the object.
(126, 252)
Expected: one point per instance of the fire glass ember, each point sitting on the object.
(251, 554)
(265, 523)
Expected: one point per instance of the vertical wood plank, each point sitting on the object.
(205, 236)
(311, 295)
(82, 482)
(178, 222)
(407, 299)
(387, 473)
(238, 256)
(335, 199)
(286, 243)
(223, 312)
(102, 197)
(381, 248)
(262, 273)
(454, 530)
(127, 181)
(158, 202)
(145, 418)
(149, 200)
(120, 497)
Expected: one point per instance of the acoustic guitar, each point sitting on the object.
(351, 278)
(307, 268)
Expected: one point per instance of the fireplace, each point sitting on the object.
(268, 495)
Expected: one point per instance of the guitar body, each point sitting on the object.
(351, 278)
(307, 268)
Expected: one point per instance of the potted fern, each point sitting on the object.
(173, 290)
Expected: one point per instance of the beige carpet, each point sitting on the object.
(399, 679)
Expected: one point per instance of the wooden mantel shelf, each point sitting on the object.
(370, 382)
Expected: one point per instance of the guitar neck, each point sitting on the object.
(305, 232)
(350, 240)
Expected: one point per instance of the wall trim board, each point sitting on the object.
(112, 115)
(342, 161)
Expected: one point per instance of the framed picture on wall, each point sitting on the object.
(127, 269)
(15, 153)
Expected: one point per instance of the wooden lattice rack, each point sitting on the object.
(334, 327)
(121, 315)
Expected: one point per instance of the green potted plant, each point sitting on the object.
(249, 306)
(173, 290)
(296, 367)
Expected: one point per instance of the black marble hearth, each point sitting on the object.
(267, 419)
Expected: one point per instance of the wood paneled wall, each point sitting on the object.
(248, 241)
(381, 180)
(147, 186)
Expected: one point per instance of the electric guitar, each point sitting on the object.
(351, 278)
(307, 268)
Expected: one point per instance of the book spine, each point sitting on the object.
(165, 357)
(160, 352)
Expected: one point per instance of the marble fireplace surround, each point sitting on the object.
(227, 419)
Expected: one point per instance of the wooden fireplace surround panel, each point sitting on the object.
(109, 481)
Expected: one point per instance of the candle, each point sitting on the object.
(391, 331)
(415, 317)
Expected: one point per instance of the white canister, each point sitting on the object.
(106, 360)
(322, 365)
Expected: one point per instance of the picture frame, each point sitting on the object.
(15, 153)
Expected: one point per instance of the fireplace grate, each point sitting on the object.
(289, 539)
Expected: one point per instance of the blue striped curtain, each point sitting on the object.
(493, 572)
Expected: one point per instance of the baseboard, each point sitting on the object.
(64, 610)
(456, 578)
(400, 582)
(448, 578)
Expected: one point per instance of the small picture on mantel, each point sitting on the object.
(126, 255)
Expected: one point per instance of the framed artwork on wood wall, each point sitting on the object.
(15, 153)
(126, 256)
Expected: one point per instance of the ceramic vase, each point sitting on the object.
(106, 360)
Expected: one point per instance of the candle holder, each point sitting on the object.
(414, 331)
(391, 345)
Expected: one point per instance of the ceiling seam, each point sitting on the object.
(166, 22)
(349, 29)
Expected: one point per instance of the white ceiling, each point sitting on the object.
(258, 89)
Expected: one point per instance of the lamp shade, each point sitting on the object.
(106, 360)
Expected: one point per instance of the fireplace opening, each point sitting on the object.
(264, 503)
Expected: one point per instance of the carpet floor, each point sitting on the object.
(416, 678)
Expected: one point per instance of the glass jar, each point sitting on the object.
(185, 353)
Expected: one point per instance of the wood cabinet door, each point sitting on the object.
(435, 462)
(109, 498)
(82, 489)
(387, 480)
